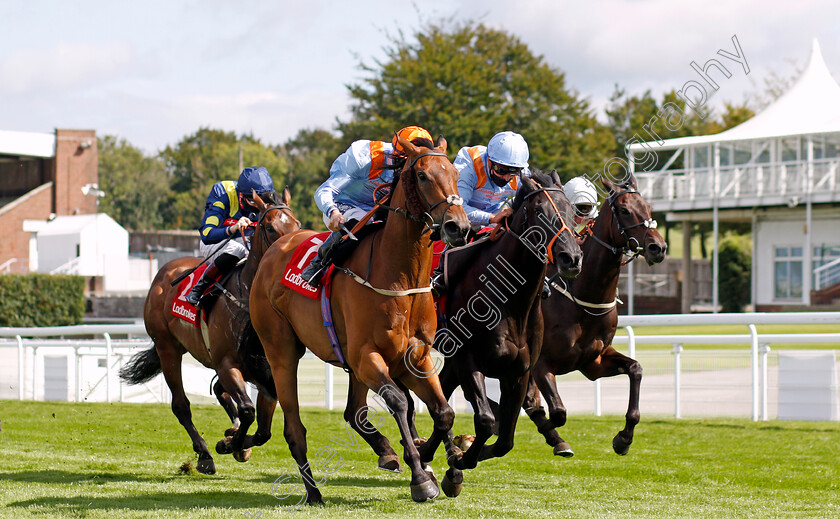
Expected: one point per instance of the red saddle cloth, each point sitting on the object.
(180, 307)
(301, 257)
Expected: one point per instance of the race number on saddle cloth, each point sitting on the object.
(180, 307)
(301, 257)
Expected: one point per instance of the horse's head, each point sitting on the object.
(275, 218)
(633, 229)
(541, 212)
(430, 185)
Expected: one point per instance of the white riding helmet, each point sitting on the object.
(508, 149)
(581, 191)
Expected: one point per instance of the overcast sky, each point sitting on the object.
(155, 71)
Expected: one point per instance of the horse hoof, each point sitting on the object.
(231, 431)
(620, 445)
(223, 446)
(314, 497)
(428, 470)
(563, 449)
(242, 456)
(464, 441)
(424, 491)
(206, 466)
(418, 442)
(450, 487)
(389, 462)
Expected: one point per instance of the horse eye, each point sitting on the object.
(624, 211)
(422, 176)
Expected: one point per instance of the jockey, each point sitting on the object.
(229, 208)
(584, 198)
(487, 178)
(347, 196)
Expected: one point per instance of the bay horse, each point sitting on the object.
(383, 327)
(581, 315)
(173, 337)
(494, 318)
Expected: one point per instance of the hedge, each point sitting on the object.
(735, 261)
(41, 300)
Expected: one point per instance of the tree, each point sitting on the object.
(469, 82)
(136, 187)
(735, 272)
(208, 156)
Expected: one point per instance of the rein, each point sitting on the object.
(557, 233)
(628, 250)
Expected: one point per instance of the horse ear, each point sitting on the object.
(258, 201)
(441, 144)
(611, 188)
(287, 196)
(408, 146)
(555, 177)
(631, 181)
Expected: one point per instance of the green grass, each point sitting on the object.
(122, 460)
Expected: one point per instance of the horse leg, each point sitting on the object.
(283, 351)
(170, 362)
(228, 405)
(513, 395)
(542, 380)
(356, 415)
(265, 414)
(411, 412)
(234, 384)
(476, 392)
(373, 372)
(613, 363)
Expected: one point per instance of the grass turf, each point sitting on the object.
(123, 460)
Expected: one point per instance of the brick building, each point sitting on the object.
(41, 175)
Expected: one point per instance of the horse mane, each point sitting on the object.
(542, 179)
(412, 193)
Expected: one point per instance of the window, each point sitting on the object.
(787, 278)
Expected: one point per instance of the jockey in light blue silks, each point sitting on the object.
(487, 178)
(347, 195)
(228, 210)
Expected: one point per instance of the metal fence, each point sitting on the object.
(687, 377)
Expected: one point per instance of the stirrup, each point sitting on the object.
(438, 285)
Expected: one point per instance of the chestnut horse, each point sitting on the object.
(383, 327)
(581, 315)
(173, 337)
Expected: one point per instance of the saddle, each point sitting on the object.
(183, 310)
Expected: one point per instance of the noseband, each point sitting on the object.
(629, 250)
(563, 226)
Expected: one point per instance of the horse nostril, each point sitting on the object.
(452, 228)
(653, 248)
(566, 260)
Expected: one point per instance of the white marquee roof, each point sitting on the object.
(27, 144)
(811, 106)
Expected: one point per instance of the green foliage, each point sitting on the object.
(208, 156)
(136, 187)
(469, 82)
(310, 154)
(41, 300)
(734, 254)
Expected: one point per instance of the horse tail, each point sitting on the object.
(252, 354)
(142, 367)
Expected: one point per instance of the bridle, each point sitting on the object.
(629, 250)
(563, 226)
(426, 218)
(261, 227)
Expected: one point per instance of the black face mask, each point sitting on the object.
(499, 181)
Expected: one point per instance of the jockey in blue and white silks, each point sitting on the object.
(229, 209)
(347, 195)
(488, 175)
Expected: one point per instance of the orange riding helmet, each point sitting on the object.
(410, 133)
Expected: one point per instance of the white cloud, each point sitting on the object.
(63, 66)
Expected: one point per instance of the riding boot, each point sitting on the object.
(438, 279)
(313, 272)
(207, 278)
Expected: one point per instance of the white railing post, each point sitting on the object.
(754, 366)
(631, 289)
(598, 397)
(677, 367)
(631, 342)
(21, 377)
(328, 386)
(34, 367)
(765, 349)
(108, 378)
(78, 360)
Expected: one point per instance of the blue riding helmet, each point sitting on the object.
(256, 178)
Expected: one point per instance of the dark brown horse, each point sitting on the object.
(173, 337)
(581, 316)
(382, 330)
